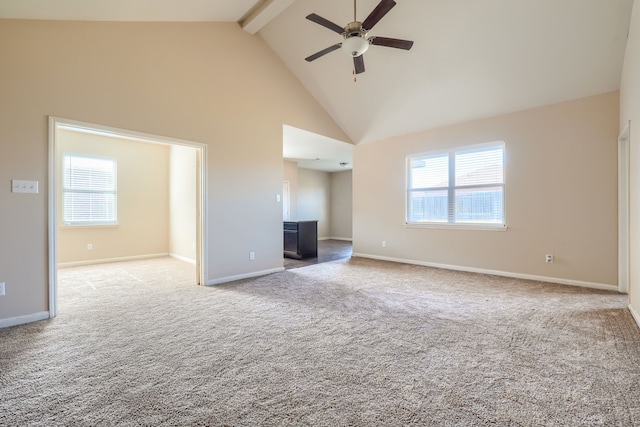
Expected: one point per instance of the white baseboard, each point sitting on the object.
(183, 259)
(21, 320)
(108, 260)
(570, 282)
(635, 314)
(243, 276)
(346, 239)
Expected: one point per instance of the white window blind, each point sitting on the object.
(460, 186)
(89, 190)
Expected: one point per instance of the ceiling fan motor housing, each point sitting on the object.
(354, 29)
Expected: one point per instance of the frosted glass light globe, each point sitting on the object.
(355, 46)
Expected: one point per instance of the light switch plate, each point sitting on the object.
(1, 288)
(21, 186)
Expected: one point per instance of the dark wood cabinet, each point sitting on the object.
(301, 239)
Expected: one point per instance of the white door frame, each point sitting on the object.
(623, 210)
(286, 201)
(201, 196)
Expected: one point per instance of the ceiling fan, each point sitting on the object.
(356, 40)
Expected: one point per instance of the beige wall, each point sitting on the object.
(183, 171)
(561, 195)
(205, 82)
(143, 215)
(341, 205)
(314, 199)
(630, 111)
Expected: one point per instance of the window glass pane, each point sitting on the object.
(480, 205)
(89, 207)
(428, 206)
(429, 172)
(479, 167)
(87, 173)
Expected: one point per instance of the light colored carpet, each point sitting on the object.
(346, 343)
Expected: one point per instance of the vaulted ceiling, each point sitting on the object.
(471, 59)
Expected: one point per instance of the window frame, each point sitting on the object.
(111, 222)
(451, 189)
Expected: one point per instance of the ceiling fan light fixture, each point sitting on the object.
(355, 46)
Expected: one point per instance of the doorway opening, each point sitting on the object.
(185, 167)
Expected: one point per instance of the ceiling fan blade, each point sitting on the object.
(323, 52)
(378, 13)
(386, 41)
(325, 23)
(358, 64)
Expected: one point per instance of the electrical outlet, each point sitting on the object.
(89, 246)
(1, 288)
(548, 258)
(252, 256)
(384, 243)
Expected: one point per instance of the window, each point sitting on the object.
(464, 186)
(89, 190)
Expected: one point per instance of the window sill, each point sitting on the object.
(446, 226)
(89, 225)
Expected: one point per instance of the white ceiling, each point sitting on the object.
(471, 59)
(312, 151)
